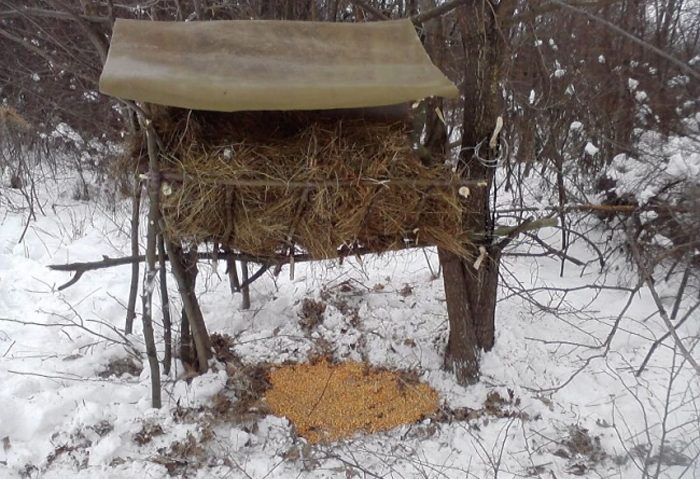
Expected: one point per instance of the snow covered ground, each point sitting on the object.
(554, 401)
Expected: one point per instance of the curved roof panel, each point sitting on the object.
(270, 65)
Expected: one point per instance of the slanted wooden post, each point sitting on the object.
(165, 301)
(134, 287)
(239, 285)
(185, 272)
(245, 288)
(232, 271)
(149, 278)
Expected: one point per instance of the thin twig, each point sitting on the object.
(376, 13)
(659, 341)
(55, 377)
(53, 14)
(553, 251)
(437, 11)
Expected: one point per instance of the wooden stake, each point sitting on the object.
(167, 329)
(245, 288)
(151, 271)
(134, 288)
(186, 277)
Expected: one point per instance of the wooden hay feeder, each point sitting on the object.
(289, 138)
(276, 141)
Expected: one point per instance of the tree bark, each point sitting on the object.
(187, 349)
(462, 353)
(471, 285)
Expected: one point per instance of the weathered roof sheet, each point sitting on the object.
(270, 65)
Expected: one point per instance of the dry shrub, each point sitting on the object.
(495, 406)
(120, 366)
(272, 183)
(11, 118)
(222, 344)
(147, 432)
(311, 314)
(582, 450)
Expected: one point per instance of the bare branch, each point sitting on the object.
(648, 280)
(437, 11)
(375, 12)
(97, 41)
(658, 342)
(683, 66)
(553, 251)
(53, 14)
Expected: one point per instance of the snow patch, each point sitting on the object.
(591, 149)
(576, 126)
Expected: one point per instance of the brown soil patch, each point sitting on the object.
(326, 402)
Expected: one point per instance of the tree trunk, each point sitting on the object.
(187, 356)
(471, 309)
(462, 353)
(471, 285)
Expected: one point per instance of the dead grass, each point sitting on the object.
(582, 450)
(120, 366)
(147, 432)
(495, 406)
(327, 402)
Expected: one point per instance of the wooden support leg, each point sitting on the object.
(245, 290)
(134, 288)
(232, 271)
(184, 269)
(167, 329)
(151, 271)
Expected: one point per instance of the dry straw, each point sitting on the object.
(275, 183)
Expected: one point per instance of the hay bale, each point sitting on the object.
(274, 183)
